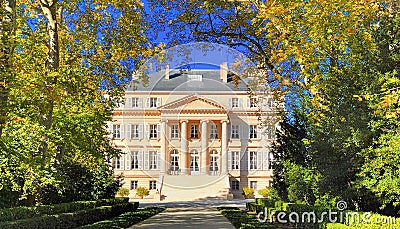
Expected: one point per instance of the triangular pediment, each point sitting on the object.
(193, 102)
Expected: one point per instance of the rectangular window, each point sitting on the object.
(134, 184)
(235, 103)
(136, 160)
(253, 102)
(194, 131)
(153, 102)
(135, 131)
(235, 160)
(118, 163)
(253, 132)
(214, 131)
(253, 160)
(174, 131)
(153, 160)
(235, 131)
(152, 185)
(153, 131)
(253, 185)
(116, 131)
(270, 132)
(136, 102)
(235, 185)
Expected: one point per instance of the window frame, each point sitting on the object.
(194, 131)
(134, 184)
(235, 185)
(153, 131)
(213, 131)
(237, 134)
(152, 185)
(174, 131)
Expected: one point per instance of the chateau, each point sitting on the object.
(193, 134)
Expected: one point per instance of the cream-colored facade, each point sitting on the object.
(192, 125)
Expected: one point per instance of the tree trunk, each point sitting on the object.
(7, 28)
(49, 8)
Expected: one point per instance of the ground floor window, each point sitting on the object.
(153, 185)
(253, 185)
(134, 184)
(235, 185)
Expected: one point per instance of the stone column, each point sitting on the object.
(184, 148)
(204, 143)
(163, 140)
(224, 146)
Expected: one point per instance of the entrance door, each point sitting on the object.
(214, 159)
(174, 158)
(194, 162)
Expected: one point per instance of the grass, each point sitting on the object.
(241, 220)
(126, 219)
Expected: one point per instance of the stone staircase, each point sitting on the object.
(195, 188)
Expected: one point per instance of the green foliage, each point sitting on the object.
(241, 219)
(127, 219)
(123, 191)
(12, 214)
(70, 220)
(248, 192)
(142, 191)
(265, 192)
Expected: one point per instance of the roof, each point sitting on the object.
(179, 81)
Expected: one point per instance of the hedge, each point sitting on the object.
(242, 220)
(12, 214)
(70, 220)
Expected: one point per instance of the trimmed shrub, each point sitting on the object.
(11, 214)
(248, 192)
(265, 202)
(241, 219)
(70, 220)
(141, 191)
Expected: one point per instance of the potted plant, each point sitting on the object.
(248, 192)
(265, 192)
(123, 192)
(141, 192)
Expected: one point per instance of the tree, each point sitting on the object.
(66, 61)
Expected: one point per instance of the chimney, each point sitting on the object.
(167, 71)
(223, 72)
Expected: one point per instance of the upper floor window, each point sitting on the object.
(194, 131)
(233, 160)
(118, 163)
(235, 102)
(136, 102)
(195, 77)
(153, 102)
(153, 132)
(253, 132)
(116, 131)
(270, 132)
(153, 155)
(235, 131)
(253, 165)
(253, 102)
(214, 131)
(174, 131)
(134, 160)
(136, 131)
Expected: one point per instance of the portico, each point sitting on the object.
(201, 148)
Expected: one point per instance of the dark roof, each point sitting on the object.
(179, 81)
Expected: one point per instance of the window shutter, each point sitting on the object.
(110, 130)
(230, 103)
(271, 157)
(140, 126)
(243, 160)
(158, 102)
(140, 159)
(158, 131)
(148, 102)
(147, 131)
(259, 160)
(259, 131)
(140, 102)
(158, 160)
(122, 161)
(129, 102)
(229, 160)
(122, 131)
(229, 132)
(240, 103)
(128, 160)
(128, 131)
(265, 161)
(146, 160)
(248, 103)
